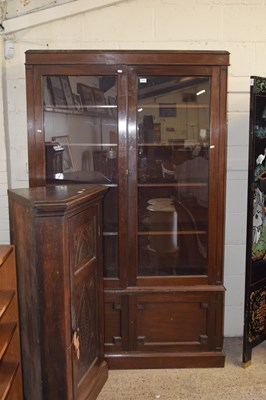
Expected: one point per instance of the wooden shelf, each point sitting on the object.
(171, 233)
(6, 334)
(177, 106)
(7, 375)
(162, 144)
(6, 297)
(74, 111)
(171, 183)
(5, 251)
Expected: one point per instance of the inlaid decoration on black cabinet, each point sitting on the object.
(257, 318)
(259, 85)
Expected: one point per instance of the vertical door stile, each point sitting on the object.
(213, 175)
(122, 174)
(218, 274)
(132, 177)
(38, 124)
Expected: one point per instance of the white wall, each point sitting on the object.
(16, 8)
(237, 26)
(4, 223)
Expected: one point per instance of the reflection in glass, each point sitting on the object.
(173, 170)
(81, 141)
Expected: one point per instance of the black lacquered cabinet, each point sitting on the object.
(255, 291)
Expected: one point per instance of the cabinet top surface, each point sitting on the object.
(58, 193)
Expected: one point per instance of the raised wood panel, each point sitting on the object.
(172, 325)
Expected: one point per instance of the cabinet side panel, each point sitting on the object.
(22, 230)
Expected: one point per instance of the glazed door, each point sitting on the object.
(85, 141)
(255, 291)
(172, 146)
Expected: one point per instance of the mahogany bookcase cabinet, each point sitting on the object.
(150, 126)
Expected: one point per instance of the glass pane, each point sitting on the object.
(81, 142)
(173, 170)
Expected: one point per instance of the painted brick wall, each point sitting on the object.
(237, 26)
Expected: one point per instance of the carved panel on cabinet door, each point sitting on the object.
(87, 326)
(84, 293)
(84, 320)
(83, 240)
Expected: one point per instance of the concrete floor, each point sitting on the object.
(229, 383)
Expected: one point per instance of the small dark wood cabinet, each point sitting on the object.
(57, 233)
(150, 126)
